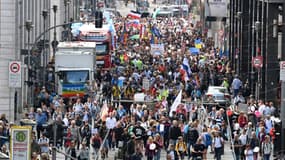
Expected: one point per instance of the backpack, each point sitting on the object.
(208, 140)
(96, 142)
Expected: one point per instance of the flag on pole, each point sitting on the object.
(198, 43)
(186, 67)
(142, 31)
(134, 15)
(123, 33)
(176, 103)
(104, 112)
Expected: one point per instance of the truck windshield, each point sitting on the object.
(71, 77)
(102, 49)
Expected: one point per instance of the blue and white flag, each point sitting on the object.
(186, 67)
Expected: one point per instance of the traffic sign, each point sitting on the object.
(282, 70)
(15, 75)
(257, 62)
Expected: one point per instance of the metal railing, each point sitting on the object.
(65, 154)
(230, 137)
(154, 101)
(102, 145)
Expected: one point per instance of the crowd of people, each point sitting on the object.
(110, 119)
(256, 129)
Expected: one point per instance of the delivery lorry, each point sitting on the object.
(75, 63)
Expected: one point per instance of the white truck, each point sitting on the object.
(75, 63)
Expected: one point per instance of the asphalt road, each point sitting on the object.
(124, 11)
(227, 154)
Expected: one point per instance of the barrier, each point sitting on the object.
(66, 155)
(103, 142)
(154, 101)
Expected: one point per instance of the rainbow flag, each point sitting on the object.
(72, 90)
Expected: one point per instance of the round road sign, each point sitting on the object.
(14, 67)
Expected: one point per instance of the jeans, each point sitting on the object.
(149, 157)
(197, 158)
(189, 145)
(157, 155)
(181, 155)
(236, 91)
(218, 153)
(266, 157)
(237, 156)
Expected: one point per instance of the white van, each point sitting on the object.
(180, 10)
(165, 11)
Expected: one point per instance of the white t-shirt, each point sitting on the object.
(218, 142)
(44, 148)
(243, 138)
(111, 122)
(172, 155)
(261, 109)
(77, 107)
(248, 154)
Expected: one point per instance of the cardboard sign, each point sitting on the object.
(157, 49)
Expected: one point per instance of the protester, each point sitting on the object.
(199, 150)
(172, 114)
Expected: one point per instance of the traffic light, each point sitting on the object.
(98, 19)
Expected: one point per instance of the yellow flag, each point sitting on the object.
(199, 46)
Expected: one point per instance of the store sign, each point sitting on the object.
(20, 142)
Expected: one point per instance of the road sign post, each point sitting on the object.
(15, 75)
(257, 63)
(282, 114)
(15, 81)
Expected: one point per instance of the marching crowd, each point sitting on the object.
(138, 130)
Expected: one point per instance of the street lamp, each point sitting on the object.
(257, 27)
(252, 75)
(44, 14)
(279, 52)
(29, 26)
(54, 42)
(66, 32)
(238, 48)
(66, 4)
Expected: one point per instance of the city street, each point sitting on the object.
(143, 78)
(227, 154)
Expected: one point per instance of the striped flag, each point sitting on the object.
(134, 15)
(186, 67)
(142, 31)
